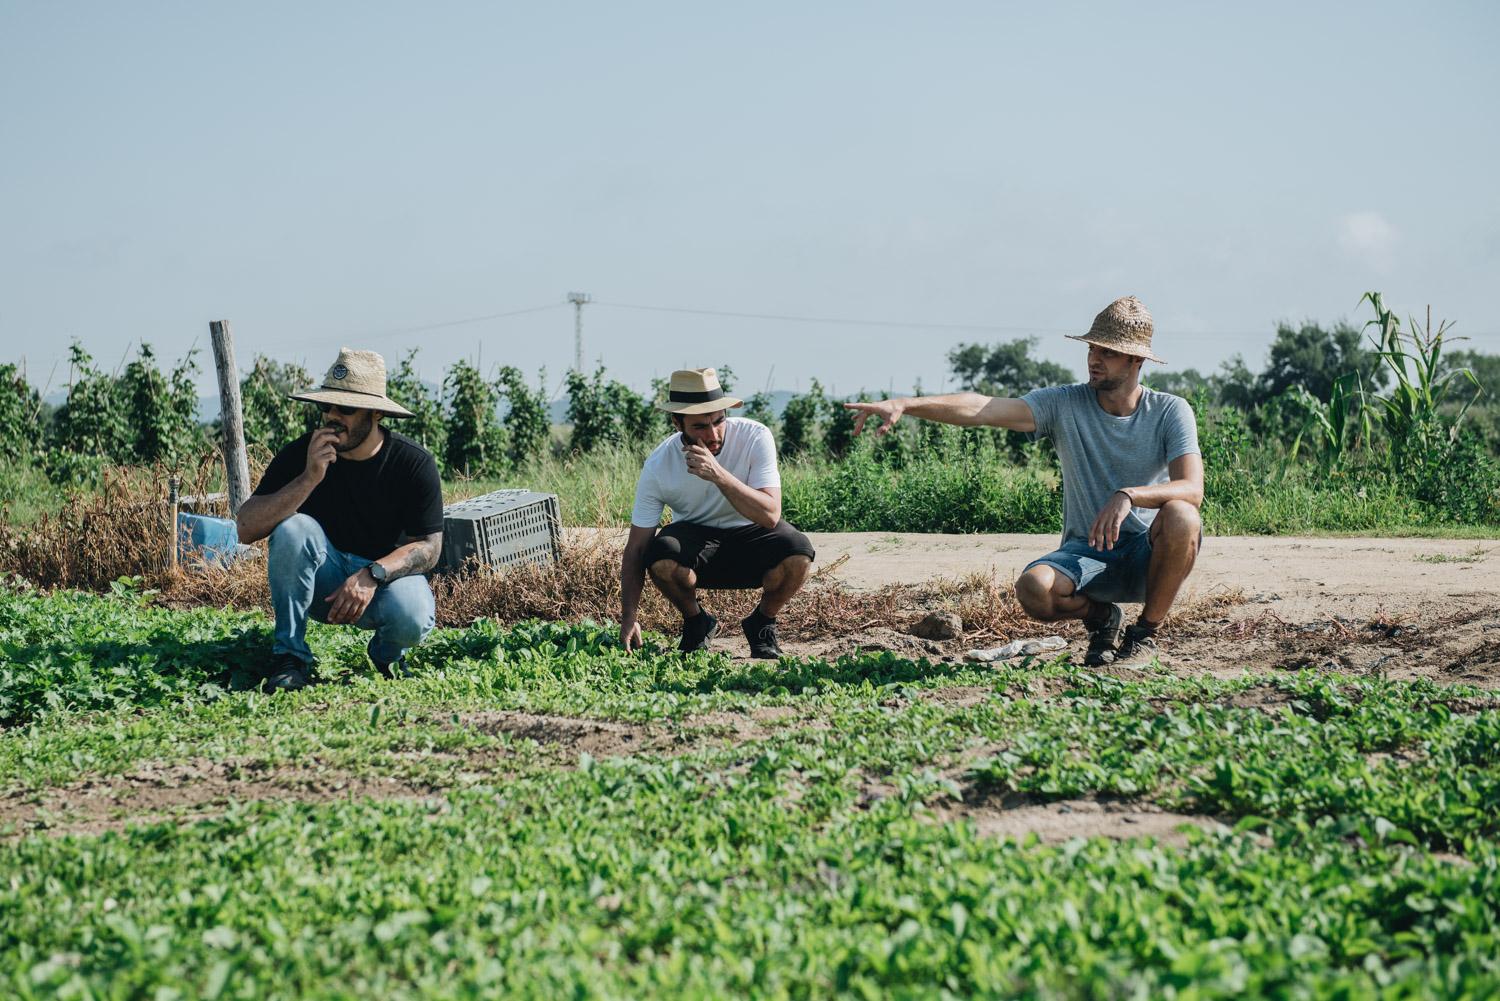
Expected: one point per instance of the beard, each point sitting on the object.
(1104, 384)
(354, 433)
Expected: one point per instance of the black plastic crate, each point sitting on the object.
(502, 528)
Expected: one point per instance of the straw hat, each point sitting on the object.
(696, 391)
(1124, 326)
(356, 379)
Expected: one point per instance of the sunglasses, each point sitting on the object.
(346, 411)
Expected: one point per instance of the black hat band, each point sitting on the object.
(677, 396)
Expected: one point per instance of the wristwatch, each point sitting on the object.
(378, 572)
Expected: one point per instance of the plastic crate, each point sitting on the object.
(501, 528)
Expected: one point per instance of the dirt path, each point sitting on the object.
(1399, 607)
(1300, 576)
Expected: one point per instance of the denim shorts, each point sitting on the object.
(1117, 574)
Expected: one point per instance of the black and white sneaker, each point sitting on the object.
(761, 632)
(1104, 637)
(288, 673)
(697, 631)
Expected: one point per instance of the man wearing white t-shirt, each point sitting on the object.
(718, 475)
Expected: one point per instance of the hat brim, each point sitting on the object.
(1117, 346)
(706, 407)
(360, 401)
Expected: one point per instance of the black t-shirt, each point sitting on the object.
(365, 506)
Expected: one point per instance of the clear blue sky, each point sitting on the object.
(360, 173)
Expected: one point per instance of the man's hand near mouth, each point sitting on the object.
(321, 452)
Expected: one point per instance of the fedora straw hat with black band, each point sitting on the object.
(696, 391)
(1124, 326)
(356, 379)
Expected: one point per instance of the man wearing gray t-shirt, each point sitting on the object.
(1132, 485)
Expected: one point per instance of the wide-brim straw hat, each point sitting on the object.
(696, 391)
(356, 379)
(1124, 326)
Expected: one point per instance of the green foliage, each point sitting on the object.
(1417, 430)
(1006, 369)
(758, 408)
(799, 422)
(20, 410)
(527, 427)
(162, 410)
(1314, 359)
(593, 413)
(426, 425)
(93, 421)
(476, 441)
(271, 419)
(809, 859)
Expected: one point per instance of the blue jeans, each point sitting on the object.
(305, 569)
(1117, 574)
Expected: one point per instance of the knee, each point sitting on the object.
(1181, 525)
(299, 533)
(669, 570)
(409, 618)
(795, 567)
(1035, 595)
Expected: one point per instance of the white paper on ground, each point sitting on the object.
(1017, 648)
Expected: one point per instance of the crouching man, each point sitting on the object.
(718, 475)
(335, 504)
(1132, 485)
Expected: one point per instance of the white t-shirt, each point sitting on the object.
(749, 454)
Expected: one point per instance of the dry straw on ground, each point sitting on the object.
(123, 531)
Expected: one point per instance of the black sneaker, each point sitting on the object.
(392, 671)
(697, 631)
(761, 632)
(1103, 638)
(1138, 648)
(288, 673)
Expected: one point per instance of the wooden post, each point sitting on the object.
(236, 466)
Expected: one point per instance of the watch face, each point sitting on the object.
(378, 572)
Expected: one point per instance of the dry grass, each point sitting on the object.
(123, 531)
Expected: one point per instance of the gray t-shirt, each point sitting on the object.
(1101, 453)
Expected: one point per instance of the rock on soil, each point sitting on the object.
(938, 626)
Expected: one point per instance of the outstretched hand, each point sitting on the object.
(889, 412)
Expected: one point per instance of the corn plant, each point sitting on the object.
(1410, 412)
(1330, 425)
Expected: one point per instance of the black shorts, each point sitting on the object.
(728, 558)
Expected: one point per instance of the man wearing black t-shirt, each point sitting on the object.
(336, 504)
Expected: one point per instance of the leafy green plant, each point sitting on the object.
(427, 425)
(800, 420)
(1411, 411)
(271, 418)
(476, 442)
(527, 426)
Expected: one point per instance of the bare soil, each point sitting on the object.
(1400, 608)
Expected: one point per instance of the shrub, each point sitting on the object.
(271, 418)
(476, 444)
(426, 425)
(527, 425)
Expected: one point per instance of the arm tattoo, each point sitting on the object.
(421, 555)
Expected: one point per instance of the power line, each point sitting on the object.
(928, 325)
(846, 321)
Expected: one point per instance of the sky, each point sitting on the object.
(398, 176)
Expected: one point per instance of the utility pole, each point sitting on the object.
(578, 299)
